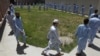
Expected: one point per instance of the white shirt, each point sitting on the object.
(53, 35)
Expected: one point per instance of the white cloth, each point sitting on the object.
(94, 24)
(82, 34)
(92, 15)
(54, 41)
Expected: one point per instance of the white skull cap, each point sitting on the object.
(55, 21)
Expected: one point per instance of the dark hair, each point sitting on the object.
(54, 23)
(95, 16)
(86, 21)
(9, 12)
(17, 14)
(96, 11)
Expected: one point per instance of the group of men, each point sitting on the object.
(87, 32)
(74, 8)
(15, 23)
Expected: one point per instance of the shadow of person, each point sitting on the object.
(83, 54)
(97, 37)
(95, 47)
(20, 49)
(2, 28)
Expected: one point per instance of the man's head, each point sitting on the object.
(55, 22)
(96, 11)
(90, 5)
(17, 14)
(86, 21)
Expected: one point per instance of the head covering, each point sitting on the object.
(55, 21)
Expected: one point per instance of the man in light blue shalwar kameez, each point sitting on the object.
(19, 31)
(11, 9)
(9, 18)
(82, 34)
(54, 41)
(94, 13)
(91, 10)
(94, 24)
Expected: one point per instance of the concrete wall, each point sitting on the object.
(24, 2)
(86, 3)
(98, 7)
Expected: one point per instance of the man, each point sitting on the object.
(53, 37)
(94, 13)
(82, 34)
(77, 9)
(74, 8)
(29, 7)
(83, 10)
(19, 31)
(91, 10)
(94, 24)
(11, 9)
(9, 18)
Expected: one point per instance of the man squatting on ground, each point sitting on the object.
(82, 34)
(54, 41)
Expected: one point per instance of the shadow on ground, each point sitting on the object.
(2, 29)
(95, 47)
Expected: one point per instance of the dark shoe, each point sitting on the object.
(44, 54)
(90, 45)
(18, 44)
(11, 33)
(78, 54)
(25, 46)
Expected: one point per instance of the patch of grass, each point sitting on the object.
(37, 23)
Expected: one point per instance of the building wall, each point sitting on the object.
(98, 7)
(3, 8)
(86, 3)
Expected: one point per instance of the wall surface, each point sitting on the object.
(3, 7)
(86, 3)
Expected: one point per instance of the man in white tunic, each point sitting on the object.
(54, 41)
(19, 31)
(82, 34)
(94, 24)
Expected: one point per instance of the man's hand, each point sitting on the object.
(22, 32)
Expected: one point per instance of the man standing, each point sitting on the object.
(94, 24)
(54, 41)
(91, 10)
(9, 18)
(82, 34)
(83, 10)
(19, 31)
